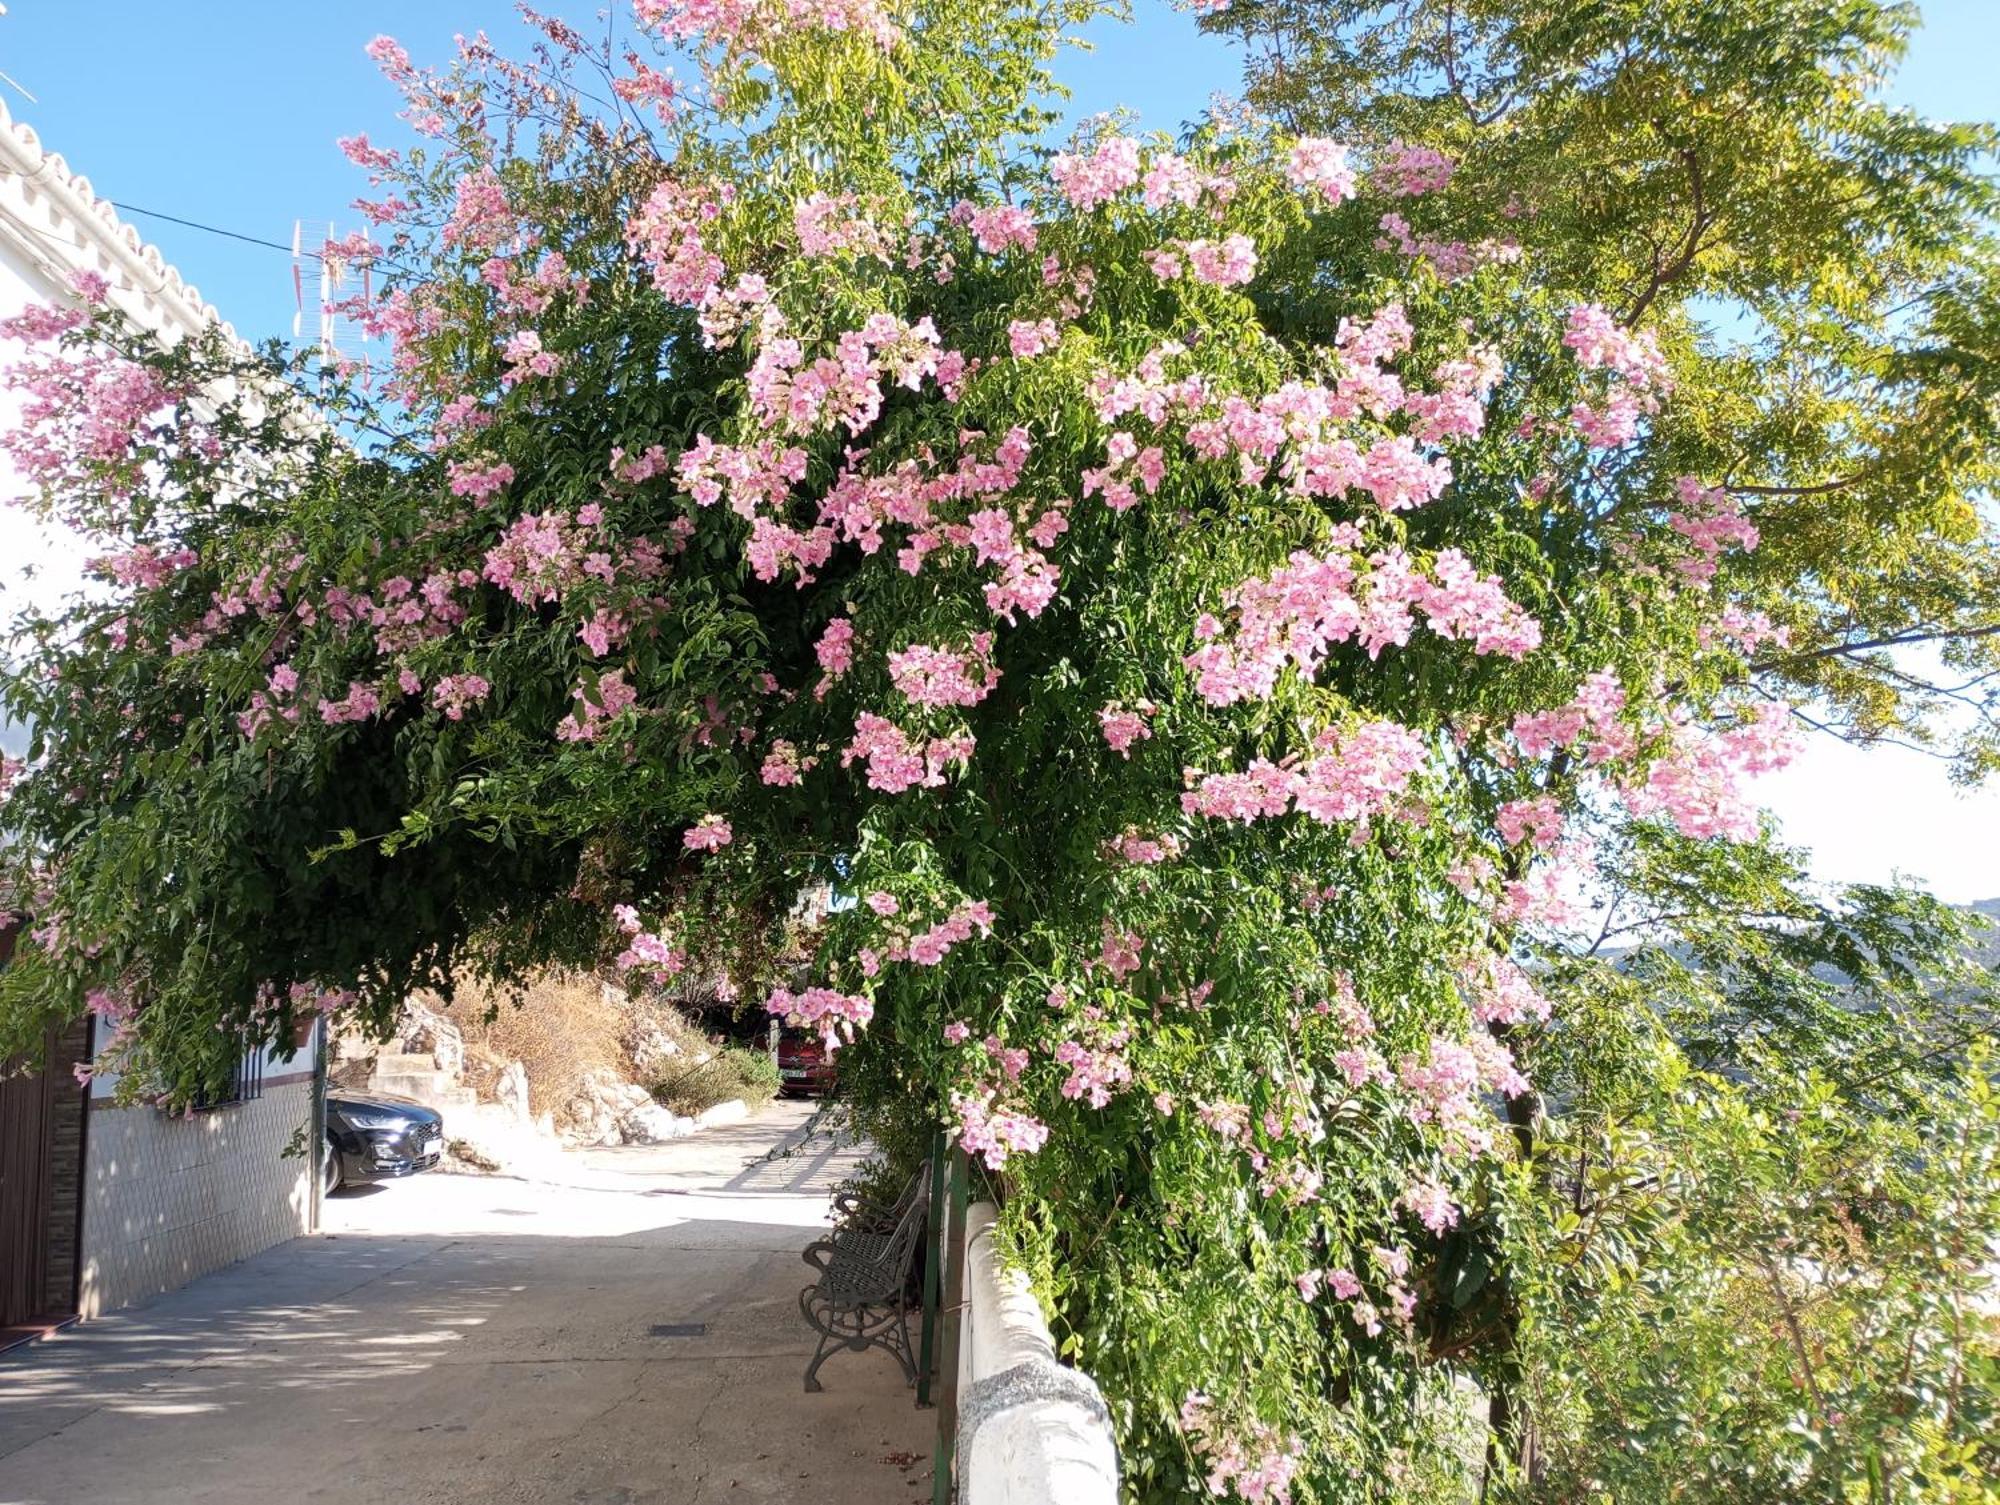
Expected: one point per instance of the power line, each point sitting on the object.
(175, 219)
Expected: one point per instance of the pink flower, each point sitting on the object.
(1089, 182)
(957, 1032)
(1536, 820)
(710, 834)
(1406, 171)
(883, 903)
(1122, 728)
(1000, 226)
(836, 1015)
(480, 482)
(1026, 338)
(1224, 263)
(783, 767)
(1320, 165)
(1431, 1204)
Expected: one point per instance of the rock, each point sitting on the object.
(426, 1030)
(732, 1112)
(653, 1124)
(511, 1091)
(648, 1048)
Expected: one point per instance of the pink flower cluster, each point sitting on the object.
(1404, 171)
(1443, 1088)
(526, 358)
(1537, 820)
(896, 761)
(995, 1134)
(1228, 262)
(835, 225)
(1130, 846)
(930, 948)
(1450, 259)
(1429, 1201)
(1601, 344)
(837, 1016)
(596, 707)
(360, 702)
(1097, 1066)
(480, 481)
(1697, 785)
(996, 227)
(541, 555)
(753, 25)
(1314, 602)
(480, 219)
(456, 693)
(1356, 775)
(1122, 727)
(835, 651)
(1254, 1461)
(709, 834)
(1320, 165)
(941, 677)
(1594, 710)
(646, 950)
(1711, 519)
(1028, 338)
(857, 507)
(843, 389)
(666, 234)
(783, 767)
(1499, 992)
(1092, 180)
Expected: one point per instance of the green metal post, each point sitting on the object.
(933, 1275)
(943, 1468)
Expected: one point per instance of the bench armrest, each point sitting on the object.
(861, 1211)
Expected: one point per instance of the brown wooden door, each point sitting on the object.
(27, 1191)
(41, 1126)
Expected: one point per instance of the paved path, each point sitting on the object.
(452, 1340)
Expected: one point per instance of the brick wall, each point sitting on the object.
(168, 1199)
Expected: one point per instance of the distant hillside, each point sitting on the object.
(1987, 948)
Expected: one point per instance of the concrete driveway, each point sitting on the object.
(625, 1335)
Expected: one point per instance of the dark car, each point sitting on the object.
(804, 1064)
(377, 1136)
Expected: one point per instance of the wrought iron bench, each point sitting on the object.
(861, 1298)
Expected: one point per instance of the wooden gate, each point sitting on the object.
(27, 1191)
(42, 1122)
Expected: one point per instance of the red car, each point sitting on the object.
(804, 1067)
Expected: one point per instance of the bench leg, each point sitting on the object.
(905, 1353)
(820, 1356)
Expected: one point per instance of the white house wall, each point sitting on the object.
(165, 1199)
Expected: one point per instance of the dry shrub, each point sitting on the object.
(561, 1026)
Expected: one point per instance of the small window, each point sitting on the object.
(245, 1084)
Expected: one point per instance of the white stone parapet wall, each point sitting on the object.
(169, 1198)
(1031, 1430)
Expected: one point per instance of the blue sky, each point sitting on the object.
(226, 112)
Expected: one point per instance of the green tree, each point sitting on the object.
(1237, 655)
(1729, 170)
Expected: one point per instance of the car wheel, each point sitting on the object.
(330, 1175)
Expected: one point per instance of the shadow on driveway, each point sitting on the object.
(473, 1339)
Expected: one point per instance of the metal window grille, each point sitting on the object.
(245, 1084)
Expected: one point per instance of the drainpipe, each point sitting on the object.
(318, 1153)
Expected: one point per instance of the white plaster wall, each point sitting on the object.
(165, 1199)
(1032, 1431)
(37, 566)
